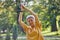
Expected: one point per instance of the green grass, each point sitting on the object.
(44, 38)
(45, 33)
(50, 33)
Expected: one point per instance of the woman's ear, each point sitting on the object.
(27, 22)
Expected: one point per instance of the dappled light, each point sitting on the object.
(48, 12)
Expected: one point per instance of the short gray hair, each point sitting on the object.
(30, 16)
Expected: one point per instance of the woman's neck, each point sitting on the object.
(32, 26)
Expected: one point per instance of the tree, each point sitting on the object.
(53, 11)
(15, 31)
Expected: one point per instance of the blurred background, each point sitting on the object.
(48, 12)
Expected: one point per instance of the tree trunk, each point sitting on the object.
(53, 24)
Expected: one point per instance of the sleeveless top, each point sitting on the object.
(34, 34)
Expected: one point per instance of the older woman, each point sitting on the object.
(33, 31)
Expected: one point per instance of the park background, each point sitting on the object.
(48, 12)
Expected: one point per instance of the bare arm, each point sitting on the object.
(24, 26)
(38, 24)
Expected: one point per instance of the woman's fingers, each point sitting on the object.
(22, 8)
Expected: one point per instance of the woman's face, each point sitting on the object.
(31, 21)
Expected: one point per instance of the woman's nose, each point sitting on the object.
(30, 21)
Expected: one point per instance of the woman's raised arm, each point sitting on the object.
(23, 25)
(38, 24)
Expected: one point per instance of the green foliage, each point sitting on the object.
(47, 11)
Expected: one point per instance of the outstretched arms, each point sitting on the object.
(38, 24)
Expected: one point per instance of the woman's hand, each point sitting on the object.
(23, 7)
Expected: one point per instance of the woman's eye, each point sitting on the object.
(31, 20)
